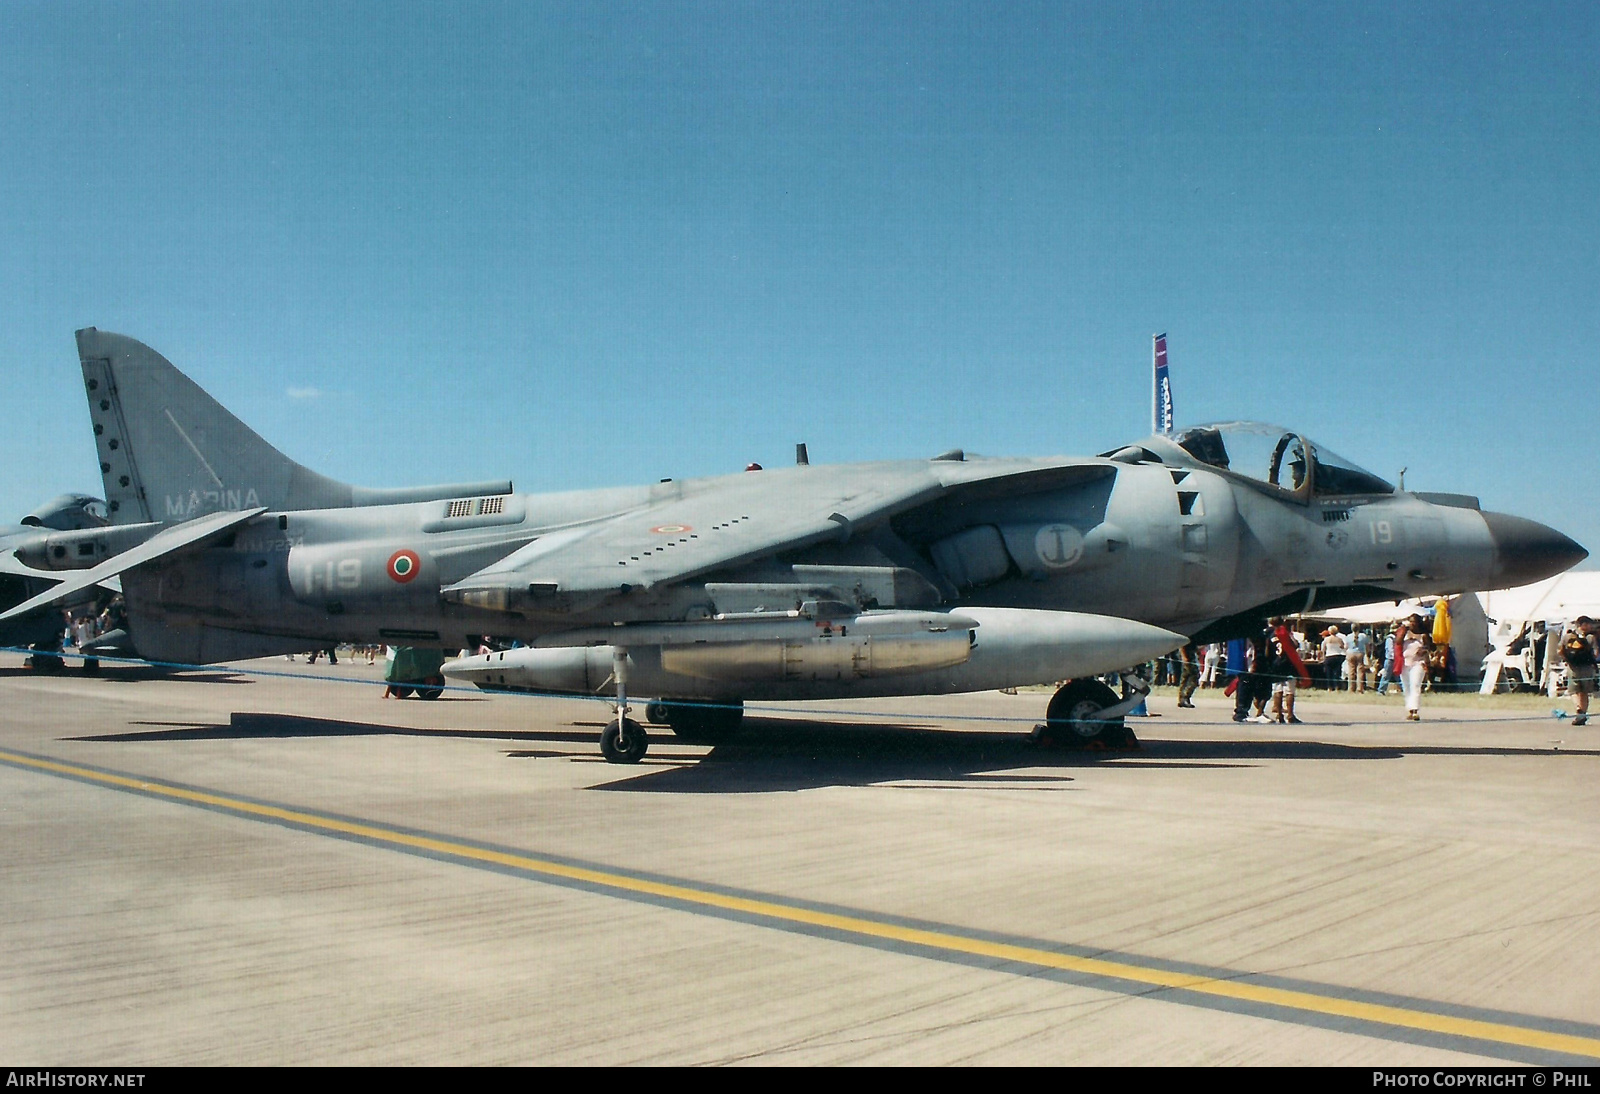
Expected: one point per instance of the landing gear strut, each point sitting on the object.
(1085, 714)
(624, 741)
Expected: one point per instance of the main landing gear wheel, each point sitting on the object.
(432, 689)
(699, 722)
(624, 742)
(1070, 722)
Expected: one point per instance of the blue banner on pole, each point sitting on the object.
(1163, 390)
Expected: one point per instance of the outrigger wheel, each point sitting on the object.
(42, 659)
(1070, 722)
(624, 742)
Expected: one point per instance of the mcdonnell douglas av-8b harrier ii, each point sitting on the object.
(910, 577)
(69, 531)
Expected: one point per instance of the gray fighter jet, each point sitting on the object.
(25, 548)
(897, 578)
(32, 553)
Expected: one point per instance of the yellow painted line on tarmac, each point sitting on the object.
(859, 926)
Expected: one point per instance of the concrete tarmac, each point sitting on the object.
(270, 864)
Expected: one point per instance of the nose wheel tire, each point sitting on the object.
(624, 742)
(1070, 720)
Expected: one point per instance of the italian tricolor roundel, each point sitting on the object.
(403, 566)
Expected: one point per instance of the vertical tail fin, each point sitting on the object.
(169, 451)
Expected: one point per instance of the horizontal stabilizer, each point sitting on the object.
(162, 543)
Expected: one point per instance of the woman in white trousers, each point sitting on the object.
(1411, 641)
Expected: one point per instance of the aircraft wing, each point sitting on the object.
(162, 543)
(738, 520)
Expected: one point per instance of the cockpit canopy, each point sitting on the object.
(69, 513)
(1279, 458)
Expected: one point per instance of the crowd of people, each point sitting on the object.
(1264, 672)
(83, 625)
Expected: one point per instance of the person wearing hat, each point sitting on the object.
(1581, 651)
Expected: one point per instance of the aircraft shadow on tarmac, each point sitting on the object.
(128, 674)
(774, 755)
(243, 725)
(779, 754)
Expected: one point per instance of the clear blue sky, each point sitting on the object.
(582, 245)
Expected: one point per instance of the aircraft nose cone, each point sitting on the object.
(1527, 551)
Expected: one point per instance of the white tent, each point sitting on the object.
(1559, 599)
(1518, 615)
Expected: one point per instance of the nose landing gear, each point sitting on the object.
(1087, 715)
(624, 740)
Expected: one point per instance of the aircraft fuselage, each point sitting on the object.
(1185, 548)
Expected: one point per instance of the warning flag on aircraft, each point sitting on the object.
(1163, 390)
